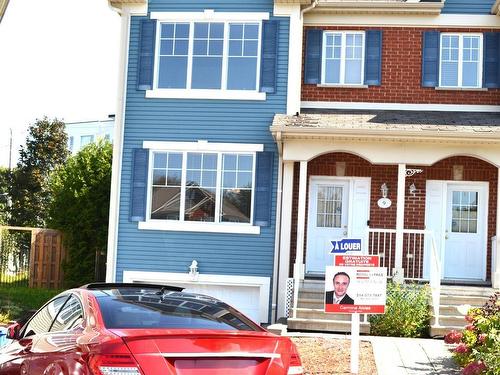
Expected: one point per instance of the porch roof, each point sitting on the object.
(390, 124)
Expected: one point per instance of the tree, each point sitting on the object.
(4, 195)
(45, 149)
(80, 192)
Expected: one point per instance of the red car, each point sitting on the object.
(143, 329)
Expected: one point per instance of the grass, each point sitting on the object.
(15, 300)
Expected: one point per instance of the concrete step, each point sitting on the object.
(305, 313)
(324, 325)
(312, 294)
(311, 303)
(447, 310)
(450, 321)
(475, 301)
(467, 290)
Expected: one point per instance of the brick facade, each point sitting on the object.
(401, 75)
(473, 170)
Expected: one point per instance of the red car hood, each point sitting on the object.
(206, 352)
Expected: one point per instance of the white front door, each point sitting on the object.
(465, 232)
(327, 221)
(457, 215)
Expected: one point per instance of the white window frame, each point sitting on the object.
(460, 60)
(200, 226)
(207, 16)
(343, 34)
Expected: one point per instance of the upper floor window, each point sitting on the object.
(461, 60)
(209, 55)
(85, 140)
(343, 58)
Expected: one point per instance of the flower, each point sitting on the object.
(470, 327)
(469, 318)
(453, 337)
(474, 368)
(482, 338)
(461, 348)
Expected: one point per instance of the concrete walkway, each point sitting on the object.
(402, 356)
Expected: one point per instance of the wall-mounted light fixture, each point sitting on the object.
(384, 190)
(412, 188)
(193, 270)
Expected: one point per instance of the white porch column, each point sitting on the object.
(400, 224)
(285, 233)
(298, 268)
(495, 264)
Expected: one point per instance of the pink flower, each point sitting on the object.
(469, 318)
(474, 368)
(461, 348)
(482, 338)
(470, 327)
(453, 337)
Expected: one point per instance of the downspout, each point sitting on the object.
(307, 9)
(277, 234)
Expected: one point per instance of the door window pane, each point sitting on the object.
(464, 212)
(329, 206)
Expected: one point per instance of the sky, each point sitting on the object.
(58, 58)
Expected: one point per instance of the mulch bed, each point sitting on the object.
(328, 356)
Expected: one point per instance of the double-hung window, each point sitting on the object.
(209, 55)
(343, 57)
(461, 60)
(213, 187)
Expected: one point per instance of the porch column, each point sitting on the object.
(398, 271)
(495, 264)
(298, 268)
(285, 233)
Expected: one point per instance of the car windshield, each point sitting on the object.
(141, 308)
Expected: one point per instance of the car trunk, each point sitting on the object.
(207, 352)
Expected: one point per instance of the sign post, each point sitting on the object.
(354, 285)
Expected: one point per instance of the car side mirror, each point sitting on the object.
(13, 331)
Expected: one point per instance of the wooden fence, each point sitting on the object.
(44, 251)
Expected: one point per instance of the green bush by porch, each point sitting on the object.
(407, 312)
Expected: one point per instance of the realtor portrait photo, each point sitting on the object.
(338, 295)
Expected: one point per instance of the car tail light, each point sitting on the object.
(113, 364)
(295, 367)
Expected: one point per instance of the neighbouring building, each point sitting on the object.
(253, 134)
(82, 133)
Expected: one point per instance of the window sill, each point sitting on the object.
(343, 86)
(198, 227)
(205, 94)
(462, 88)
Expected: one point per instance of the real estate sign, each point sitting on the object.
(355, 284)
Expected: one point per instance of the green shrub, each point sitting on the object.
(407, 312)
(477, 347)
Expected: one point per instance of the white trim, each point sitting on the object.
(203, 146)
(468, 21)
(205, 94)
(460, 61)
(195, 226)
(114, 202)
(209, 15)
(343, 46)
(263, 283)
(401, 106)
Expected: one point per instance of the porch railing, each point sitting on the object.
(421, 259)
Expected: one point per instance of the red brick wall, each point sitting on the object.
(401, 75)
(324, 165)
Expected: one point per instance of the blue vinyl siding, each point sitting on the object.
(468, 6)
(227, 121)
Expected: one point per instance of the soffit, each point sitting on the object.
(399, 126)
(379, 7)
